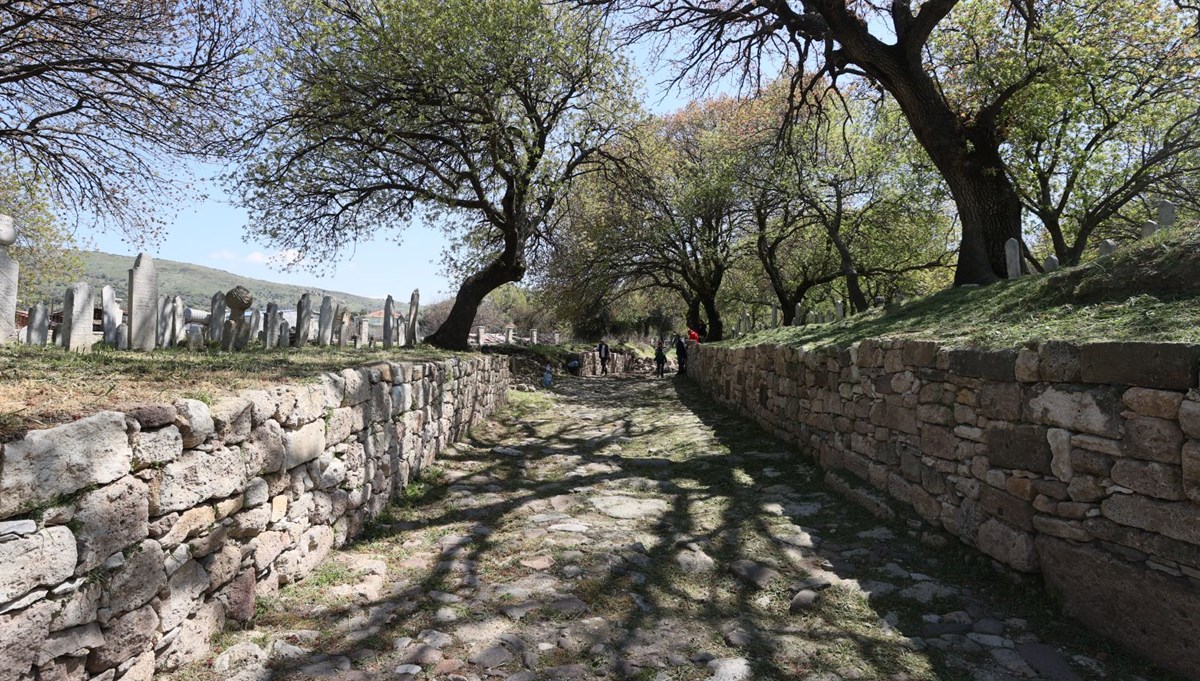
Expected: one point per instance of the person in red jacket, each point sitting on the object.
(693, 335)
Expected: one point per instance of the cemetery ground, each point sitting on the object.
(629, 528)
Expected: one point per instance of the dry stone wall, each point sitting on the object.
(618, 363)
(128, 539)
(1079, 462)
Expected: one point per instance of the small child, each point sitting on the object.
(546, 377)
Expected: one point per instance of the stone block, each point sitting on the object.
(109, 519)
(1012, 547)
(1000, 401)
(993, 365)
(71, 642)
(197, 477)
(1086, 488)
(1146, 543)
(1023, 447)
(186, 586)
(1060, 527)
(1174, 519)
(157, 447)
(1163, 404)
(1191, 470)
(233, 418)
(48, 464)
(1058, 362)
(303, 445)
(194, 421)
(191, 523)
(125, 638)
(151, 415)
(1095, 410)
(1167, 366)
(222, 565)
(939, 442)
(1189, 418)
(1159, 480)
(264, 449)
(995, 503)
(1027, 365)
(132, 585)
(1152, 439)
(1140, 608)
(919, 353)
(44, 558)
(22, 635)
(193, 643)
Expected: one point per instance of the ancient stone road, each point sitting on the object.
(626, 528)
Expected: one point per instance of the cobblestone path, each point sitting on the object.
(625, 528)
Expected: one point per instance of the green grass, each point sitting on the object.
(1146, 291)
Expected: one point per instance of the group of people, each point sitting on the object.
(660, 356)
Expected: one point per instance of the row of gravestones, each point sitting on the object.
(1013, 255)
(746, 324)
(510, 335)
(154, 321)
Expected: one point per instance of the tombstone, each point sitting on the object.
(810, 318)
(533, 336)
(39, 325)
(78, 306)
(839, 310)
(508, 335)
(195, 339)
(122, 336)
(1012, 258)
(229, 334)
(364, 332)
(271, 327)
(1149, 227)
(746, 323)
(554, 338)
(414, 304)
(141, 299)
(1107, 247)
(216, 317)
(243, 335)
(111, 315)
(10, 275)
(418, 333)
(178, 321)
(256, 324)
(164, 321)
(325, 322)
(479, 331)
(774, 316)
(303, 320)
(1166, 214)
(285, 334)
(1050, 263)
(389, 323)
(879, 301)
(797, 316)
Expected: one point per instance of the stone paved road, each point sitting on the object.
(625, 528)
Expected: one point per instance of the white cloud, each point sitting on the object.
(223, 254)
(258, 258)
(286, 257)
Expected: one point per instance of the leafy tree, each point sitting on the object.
(1113, 117)
(44, 246)
(481, 113)
(97, 95)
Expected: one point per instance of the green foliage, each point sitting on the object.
(44, 244)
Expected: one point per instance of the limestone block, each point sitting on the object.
(238, 597)
(132, 585)
(264, 449)
(267, 547)
(1060, 452)
(194, 421)
(1143, 609)
(257, 493)
(263, 405)
(110, 519)
(142, 669)
(1060, 527)
(196, 477)
(1027, 366)
(1152, 439)
(1177, 520)
(1094, 410)
(1011, 547)
(22, 635)
(44, 558)
(1158, 480)
(78, 607)
(48, 464)
(157, 447)
(1000, 401)
(1167, 366)
(994, 365)
(1163, 404)
(1000, 504)
(191, 523)
(125, 637)
(185, 586)
(222, 566)
(71, 642)
(193, 643)
(303, 445)
(232, 419)
(249, 523)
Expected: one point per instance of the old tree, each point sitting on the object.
(480, 114)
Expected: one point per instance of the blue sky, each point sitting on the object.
(212, 233)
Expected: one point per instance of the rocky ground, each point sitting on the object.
(625, 528)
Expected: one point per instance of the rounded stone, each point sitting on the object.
(239, 298)
(8, 231)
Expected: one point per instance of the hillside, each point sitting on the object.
(197, 284)
(1147, 291)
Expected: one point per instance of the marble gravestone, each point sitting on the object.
(1012, 258)
(216, 317)
(10, 274)
(285, 334)
(303, 320)
(341, 322)
(1166, 214)
(111, 315)
(164, 322)
(271, 326)
(414, 304)
(389, 323)
(508, 335)
(39, 325)
(325, 322)
(363, 336)
(178, 323)
(1050, 264)
(78, 305)
(839, 310)
(142, 300)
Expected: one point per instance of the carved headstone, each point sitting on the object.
(10, 275)
(389, 323)
(195, 339)
(325, 323)
(243, 335)
(1149, 227)
(122, 336)
(840, 310)
(39, 325)
(111, 315)
(746, 321)
(271, 326)
(178, 321)
(414, 304)
(774, 316)
(797, 316)
(285, 334)
(256, 324)
(810, 318)
(508, 335)
(1012, 258)
(533, 337)
(1166, 214)
(479, 331)
(229, 334)
(142, 300)
(341, 322)
(1107, 247)
(303, 320)
(216, 317)
(164, 321)
(78, 305)
(1050, 263)
(362, 336)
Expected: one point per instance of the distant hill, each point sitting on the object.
(197, 284)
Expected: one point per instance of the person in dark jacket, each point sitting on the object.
(681, 354)
(604, 353)
(660, 359)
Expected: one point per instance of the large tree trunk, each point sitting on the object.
(693, 313)
(455, 332)
(858, 299)
(716, 328)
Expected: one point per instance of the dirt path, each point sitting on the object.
(627, 528)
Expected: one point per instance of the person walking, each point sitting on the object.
(660, 359)
(604, 353)
(548, 376)
(681, 354)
